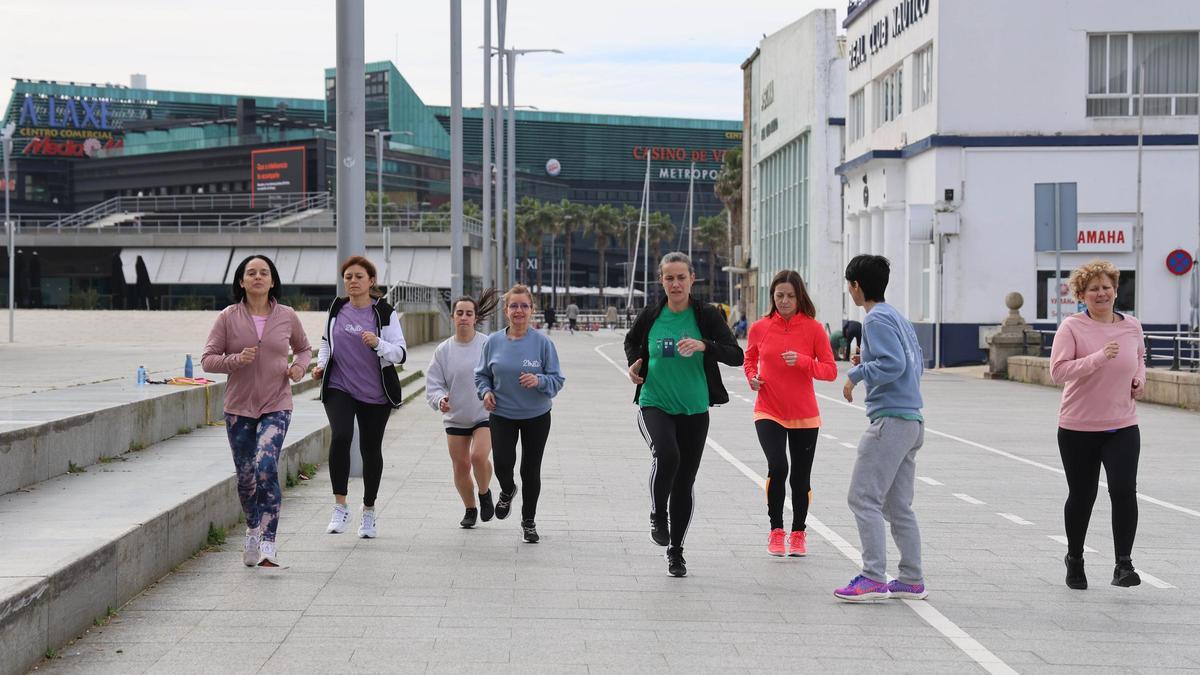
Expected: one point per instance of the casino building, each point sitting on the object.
(81, 146)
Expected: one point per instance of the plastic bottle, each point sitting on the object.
(187, 366)
(141, 375)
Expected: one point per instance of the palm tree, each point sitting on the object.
(604, 222)
(629, 217)
(531, 227)
(390, 208)
(712, 232)
(569, 219)
(728, 185)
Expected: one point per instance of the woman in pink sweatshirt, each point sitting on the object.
(250, 341)
(1099, 354)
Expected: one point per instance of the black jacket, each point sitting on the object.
(392, 349)
(719, 346)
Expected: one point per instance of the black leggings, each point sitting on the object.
(774, 438)
(342, 409)
(532, 433)
(676, 446)
(1082, 454)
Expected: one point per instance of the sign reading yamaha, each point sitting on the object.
(890, 25)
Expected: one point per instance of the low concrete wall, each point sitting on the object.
(1162, 386)
(422, 327)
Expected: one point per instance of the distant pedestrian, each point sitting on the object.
(573, 317)
(851, 331)
(628, 315)
(1100, 355)
(517, 376)
(450, 389)
(551, 317)
(787, 349)
(674, 392)
(250, 341)
(884, 477)
(362, 345)
(610, 317)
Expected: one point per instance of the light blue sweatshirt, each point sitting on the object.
(891, 365)
(500, 367)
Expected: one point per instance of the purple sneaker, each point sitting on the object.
(862, 589)
(904, 591)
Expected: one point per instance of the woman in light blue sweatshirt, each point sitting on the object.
(516, 377)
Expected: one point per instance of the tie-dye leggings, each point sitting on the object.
(256, 444)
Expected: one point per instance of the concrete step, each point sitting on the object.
(79, 544)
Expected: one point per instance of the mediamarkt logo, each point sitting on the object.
(88, 148)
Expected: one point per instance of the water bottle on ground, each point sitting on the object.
(141, 375)
(187, 367)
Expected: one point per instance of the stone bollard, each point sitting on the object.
(1015, 338)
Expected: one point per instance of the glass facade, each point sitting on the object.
(783, 214)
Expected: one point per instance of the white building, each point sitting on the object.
(795, 116)
(957, 109)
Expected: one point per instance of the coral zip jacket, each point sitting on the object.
(786, 394)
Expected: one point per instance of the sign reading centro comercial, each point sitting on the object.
(66, 127)
(276, 170)
(892, 24)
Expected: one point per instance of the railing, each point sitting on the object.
(305, 202)
(406, 297)
(1164, 349)
(174, 204)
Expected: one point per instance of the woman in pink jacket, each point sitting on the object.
(250, 341)
(1100, 355)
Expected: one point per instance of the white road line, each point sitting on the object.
(929, 481)
(1063, 540)
(1153, 580)
(829, 436)
(852, 446)
(1023, 460)
(1014, 518)
(744, 398)
(923, 608)
(968, 498)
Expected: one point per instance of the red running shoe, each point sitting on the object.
(797, 544)
(775, 542)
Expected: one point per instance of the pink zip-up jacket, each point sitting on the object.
(1099, 393)
(261, 386)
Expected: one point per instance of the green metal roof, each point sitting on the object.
(613, 120)
(122, 93)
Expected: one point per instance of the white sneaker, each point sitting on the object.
(266, 554)
(366, 529)
(250, 550)
(337, 522)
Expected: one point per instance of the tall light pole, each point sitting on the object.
(6, 139)
(351, 133)
(485, 165)
(456, 151)
(501, 21)
(387, 231)
(511, 55)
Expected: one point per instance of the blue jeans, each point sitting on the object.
(256, 443)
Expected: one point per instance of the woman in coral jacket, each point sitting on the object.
(785, 351)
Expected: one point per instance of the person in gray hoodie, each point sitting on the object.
(450, 390)
(884, 479)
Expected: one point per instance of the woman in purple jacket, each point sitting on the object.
(250, 341)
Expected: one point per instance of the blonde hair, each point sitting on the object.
(1084, 274)
(519, 289)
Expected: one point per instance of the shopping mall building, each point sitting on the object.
(213, 159)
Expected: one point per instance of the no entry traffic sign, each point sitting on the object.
(1179, 262)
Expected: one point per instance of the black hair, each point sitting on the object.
(484, 306)
(239, 293)
(871, 272)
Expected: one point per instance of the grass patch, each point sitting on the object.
(51, 653)
(183, 430)
(216, 535)
(134, 446)
(72, 467)
(307, 471)
(291, 481)
(241, 518)
(102, 621)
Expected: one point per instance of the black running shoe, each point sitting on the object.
(504, 504)
(468, 520)
(676, 565)
(1076, 579)
(659, 532)
(486, 509)
(1124, 575)
(529, 531)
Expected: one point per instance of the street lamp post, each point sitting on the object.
(6, 141)
(379, 135)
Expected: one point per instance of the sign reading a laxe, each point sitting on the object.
(276, 170)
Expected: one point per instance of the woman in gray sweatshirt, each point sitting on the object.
(450, 390)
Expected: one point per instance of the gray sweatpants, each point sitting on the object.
(882, 487)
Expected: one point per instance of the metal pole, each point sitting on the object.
(378, 178)
(10, 230)
(1057, 256)
(501, 22)
(1138, 244)
(351, 133)
(456, 151)
(691, 209)
(485, 167)
(646, 251)
(512, 167)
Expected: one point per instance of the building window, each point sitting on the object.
(781, 211)
(1170, 60)
(856, 120)
(889, 96)
(922, 77)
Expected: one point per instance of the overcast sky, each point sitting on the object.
(676, 58)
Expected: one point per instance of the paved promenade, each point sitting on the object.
(594, 596)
